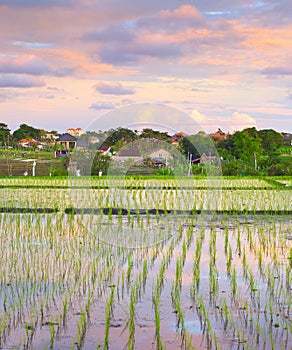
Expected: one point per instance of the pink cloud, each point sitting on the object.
(113, 89)
(24, 64)
(184, 12)
(20, 81)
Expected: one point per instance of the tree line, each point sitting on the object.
(246, 152)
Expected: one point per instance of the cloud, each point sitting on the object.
(197, 116)
(25, 64)
(20, 81)
(36, 3)
(113, 33)
(31, 44)
(143, 46)
(102, 105)
(113, 89)
(239, 121)
(277, 71)
(184, 12)
(3, 96)
(126, 101)
(156, 36)
(33, 65)
(184, 16)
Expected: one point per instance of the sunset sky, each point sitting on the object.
(225, 63)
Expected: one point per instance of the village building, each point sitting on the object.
(104, 150)
(176, 138)
(204, 159)
(131, 156)
(67, 142)
(219, 135)
(31, 143)
(75, 132)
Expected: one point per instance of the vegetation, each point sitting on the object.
(120, 279)
(247, 152)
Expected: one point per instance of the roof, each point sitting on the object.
(180, 134)
(103, 148)
(82, 143)
(66, 137)
(129, 153)
(28, 140)
(204, 158)
(157, 149)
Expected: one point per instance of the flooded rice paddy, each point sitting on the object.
(150, 280)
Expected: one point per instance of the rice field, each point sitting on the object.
(163, 264)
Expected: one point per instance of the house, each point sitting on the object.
(177, 137)
(159, 156)
(131, 156)
(204, 159)
(75, 132)
(287, 139)
(82, 143)
(67, 141)
(31, 143)
(219, 135)
(104, 149)
(61, 153)
(50, 137)
(159, 153)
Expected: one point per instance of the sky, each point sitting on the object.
(227, 63)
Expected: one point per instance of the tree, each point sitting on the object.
(225, 148)
(154, 134)
(271, 141)
(27, 132)
(246, 147)
(119, 137)
(101, 163)
(4, 134)
(196, 145)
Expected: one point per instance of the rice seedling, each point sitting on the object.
(55, 265)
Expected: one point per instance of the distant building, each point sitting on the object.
(159, 156)
(287, 138)
(50, 137)
(67, 141)
(204, 159)
(75, 132)
(104, 149)
(129, 156)
(159, 153)
(61, 153)
(82, 144)
(219, 135)
(31, 143)
(177, 137)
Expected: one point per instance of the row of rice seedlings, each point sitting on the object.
(179, 199)
(135, 280)
(241, 303)
(176, 292)
(132, 182)
(79, 287)
(32, 258)
(196, 263)
(108, 314)
(274, 298)
(203, 314)
(213, 270)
